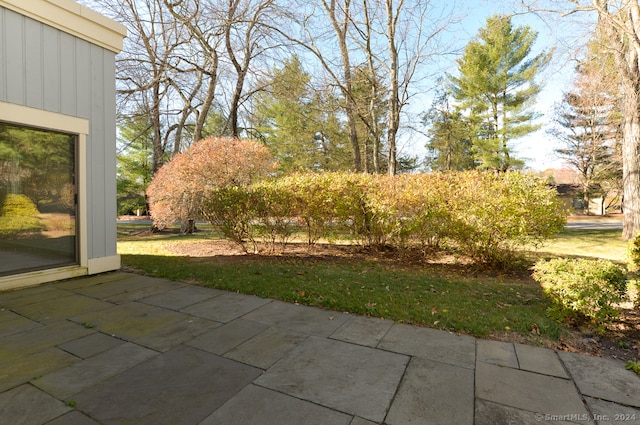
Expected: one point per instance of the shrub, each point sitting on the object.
(19, 217)
(178, 189)
(582, 289)
(496, 214)
(634, 254)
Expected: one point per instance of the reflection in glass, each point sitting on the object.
(37, 199)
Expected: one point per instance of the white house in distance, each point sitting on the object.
(57, 141)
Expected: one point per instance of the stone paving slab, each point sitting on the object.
(181, 387)
(359, 330)
(349, 378)
(496, 352)
(603, 378)
(60, 308)
(165, 352)
(309, 320)
(226, 307)
(30, 406)
(39, 339)
(90, 345)
(606, 412)
(12, 323)
(69, 381)
(129, 288)
(489, 413)
(273, 408)
(542, 394)
(266, 348)
(457, 350)
(182, 297)
(33, 295)
(130, 321)
(177, 333)
(225, 338)
(540, 360)
(73, 418)
(25, 368)
(434, 393)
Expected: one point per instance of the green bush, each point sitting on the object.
(494, 215)
(19, 217)
(584, 290)
(485, 216)
(634, 254)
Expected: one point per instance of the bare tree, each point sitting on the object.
(246, 37)
(620, 22)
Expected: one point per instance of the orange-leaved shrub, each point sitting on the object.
(179, 189)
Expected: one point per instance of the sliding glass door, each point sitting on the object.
(37, 199)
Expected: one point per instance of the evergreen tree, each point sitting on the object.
(496, 87)
(449, 144)
(135, 163)
(298, 125)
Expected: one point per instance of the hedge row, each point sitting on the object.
(487, 216)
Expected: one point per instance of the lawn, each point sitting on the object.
(446, 295)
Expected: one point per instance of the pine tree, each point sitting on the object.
(449, 144)
(496, 88)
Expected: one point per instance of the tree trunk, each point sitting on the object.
(631, 166)
(394, 96)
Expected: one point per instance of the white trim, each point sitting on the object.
(22, 115)
(74, 19)
(104, 264)
(38, 277)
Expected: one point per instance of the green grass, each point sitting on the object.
(449, 297)
(443, 296)
(605, 243)
(420, 296)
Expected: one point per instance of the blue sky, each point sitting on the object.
(565, 35)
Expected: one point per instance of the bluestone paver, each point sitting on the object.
(90, 345)
(30, 406)
(273, 408)
(176, 333)
(458, 350)
(73, 418)
(227, 337)
(130, 321)
(540, 360)
(12, 323)
(433, 393)
(497, 353)
(182, 297)
(542, 394)
(69, 381)
(489, 413)
(309, 320)
(606, 412)
(25, 368)
(134, 349)
(267, 347)
(363, 330)
(60, 308)
(226, 307)
(349, 378)
(182, 387)
(603, 378)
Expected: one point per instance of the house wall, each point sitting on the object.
(45, 67)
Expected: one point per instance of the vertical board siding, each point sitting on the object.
(45, 68)
(52, 82)
(14, 49)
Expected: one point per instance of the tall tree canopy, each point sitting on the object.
(496, 86)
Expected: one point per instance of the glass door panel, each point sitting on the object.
(37, 199)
